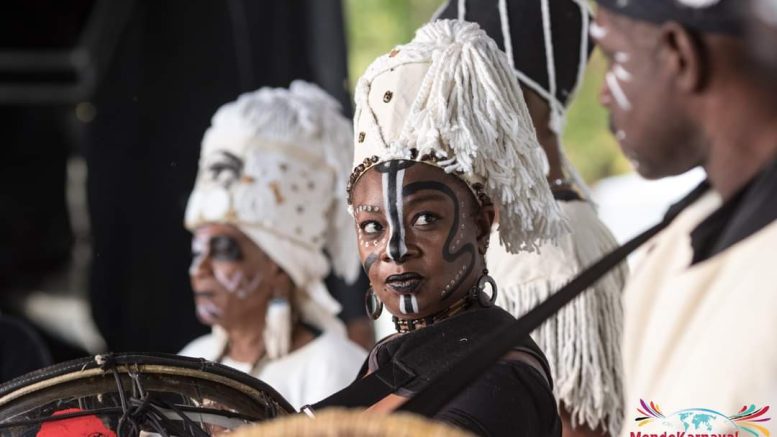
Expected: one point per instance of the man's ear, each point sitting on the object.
(681, 56)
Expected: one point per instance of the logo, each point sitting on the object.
(700, 422)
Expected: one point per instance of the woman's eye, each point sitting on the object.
(371, 227)
(225, 248)
(425, 219)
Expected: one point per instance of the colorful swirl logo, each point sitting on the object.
(699, 421)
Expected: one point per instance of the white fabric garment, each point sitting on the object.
(581, 342)
(309, 374)
(701, 336)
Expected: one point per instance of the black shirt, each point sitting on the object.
(513, 398)
(747, 212)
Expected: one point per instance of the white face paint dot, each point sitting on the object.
(597, 31)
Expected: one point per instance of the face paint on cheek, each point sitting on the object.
(615, 77)
(617, 91)
(237, 282)
(408, 304)
(369, 262)
(455, 248)
(598, 32)
(249, 287)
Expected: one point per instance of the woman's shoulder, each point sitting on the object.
(337, 346)
(208, 346)
(510, 396)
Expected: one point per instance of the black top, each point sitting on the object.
(747, 212)
(513, 398)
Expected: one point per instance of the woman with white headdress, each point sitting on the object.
(443, 142)
(547, 44)
(265, 208)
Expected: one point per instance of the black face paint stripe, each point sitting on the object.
(408, 303)
(370, 261)
(395, 251)
(393, 172)
(447, 255)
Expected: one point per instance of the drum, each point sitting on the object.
(135, 395)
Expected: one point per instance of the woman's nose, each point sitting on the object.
(200, 266)
(399, 250)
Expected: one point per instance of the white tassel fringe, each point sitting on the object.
(277, 328)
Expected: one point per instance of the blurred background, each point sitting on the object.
(102, 108)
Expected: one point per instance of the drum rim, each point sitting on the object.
(154, 363)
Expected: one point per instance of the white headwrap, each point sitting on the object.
(451, 92)
(273, 164)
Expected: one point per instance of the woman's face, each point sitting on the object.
(421, 236)
(230, 275)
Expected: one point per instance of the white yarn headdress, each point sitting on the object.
(272, 164)
(451, 92)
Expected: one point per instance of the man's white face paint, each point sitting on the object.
(617, 75)
(408, 304)
(597, 31)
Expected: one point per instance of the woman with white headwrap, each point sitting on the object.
(443, 142)
(265, 208)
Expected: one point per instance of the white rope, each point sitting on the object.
(462, 15)
(440, 10)
(556, 110)
(508, 40)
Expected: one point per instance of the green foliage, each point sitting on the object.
(374, 27)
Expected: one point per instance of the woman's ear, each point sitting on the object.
(484, 219)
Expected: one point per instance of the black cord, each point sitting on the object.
(193, 427)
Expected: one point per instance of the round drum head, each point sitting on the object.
(135, 395)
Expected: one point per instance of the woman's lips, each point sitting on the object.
(208, 312)
(405, 283)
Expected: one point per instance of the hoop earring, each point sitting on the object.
(479, 295)
(373, 304)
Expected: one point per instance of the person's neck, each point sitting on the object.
(409, 324)
(550, 145)
(743, 140)
(245, 343)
